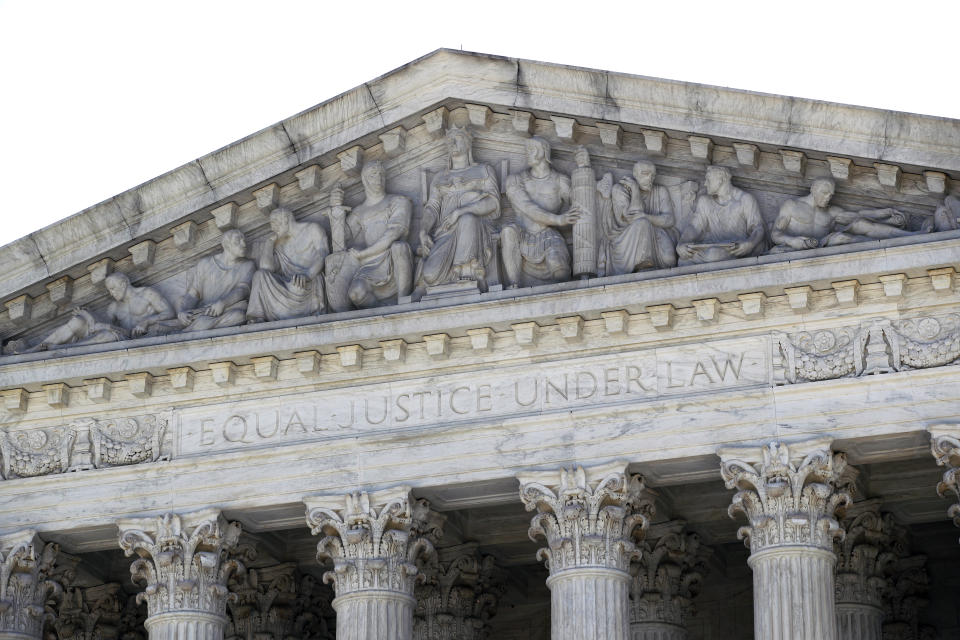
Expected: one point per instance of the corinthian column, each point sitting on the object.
(669, 577)
(589, 518)
(789, 495)
(459, 596)
(375, 541)
(25, 565)
(183, 560)
(945, 446)
(862, 558)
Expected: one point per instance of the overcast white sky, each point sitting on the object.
(98, 96)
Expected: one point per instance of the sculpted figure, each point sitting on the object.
(534, 252)
(636, 223)
(288, 285)
(947, 216)
(725, 224)
(217, 288)
(135, 312)
(381, 263)
(455, 243)
(810, 221)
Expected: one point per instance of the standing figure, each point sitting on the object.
(455, 243)
(288, 283)
(380, 261)
(810, 221)
(726, 223)
(534, 252)
(218, 288)
(134, 312)
(637, 223)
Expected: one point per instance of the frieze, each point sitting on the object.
(475, 227)
(37, 452)
(462, 398)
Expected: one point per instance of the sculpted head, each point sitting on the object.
(117, 284)
(644, 172)
(373, 177)
(717, 179)
(537, 149)
(233, 243)
(460, 143)
(281, 220)
(822, 191)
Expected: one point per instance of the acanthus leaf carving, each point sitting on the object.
(789, 493)
(26, 564)
(376, 541)
(183, 560)
(587, 523)
(864, 555)
(945, 447)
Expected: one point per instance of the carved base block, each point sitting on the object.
(793, 593)
(186, 625)
(657, 631)
(590, 604)
(14, 635)
(859, 622)
(374, 615)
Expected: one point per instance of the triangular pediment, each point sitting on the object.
(774, 146)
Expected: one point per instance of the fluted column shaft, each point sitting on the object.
(793, 593)
(589, 603)
(790, 495)
(657, 631)
(184, 561)
(859, 621)
(376, 542)
(590, 519)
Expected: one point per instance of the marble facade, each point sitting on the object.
(492, 348)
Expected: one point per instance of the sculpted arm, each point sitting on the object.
(321, 248)
(487, 205)
(662, 215)
(751, 213)
(160, 310)
(692, 233)
(398, 226)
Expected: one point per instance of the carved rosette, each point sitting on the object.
(925, 341)
(184, 562)
(945, 446)
(26, 564)
(789, 493)
(669, 577)
(586, 524)
(825, 354)
(459, 596)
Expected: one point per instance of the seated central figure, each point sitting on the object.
(288, 283)
(461, 199)
(534, 252)
(726, 223)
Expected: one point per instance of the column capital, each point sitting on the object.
(184, 561)
(789, 493)
(588, 516)
(25, 566)
(864, 554)
(376, 540)
(945, 447)
(670, 575)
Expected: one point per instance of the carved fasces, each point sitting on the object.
(789, 493)
(945, 447)
(668, 577)
(459, 595)
(377, 541)
(183, 560)
(589, 517)
(26, 564)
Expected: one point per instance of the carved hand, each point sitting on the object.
(215, 309)
(740, 249)
(185, 317)
(804, 242)
(300, 281)
(685, 251)
(582, 157)
(139, 330)
(570, 216)
(426, 244)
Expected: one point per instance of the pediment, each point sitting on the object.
(774, 147)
